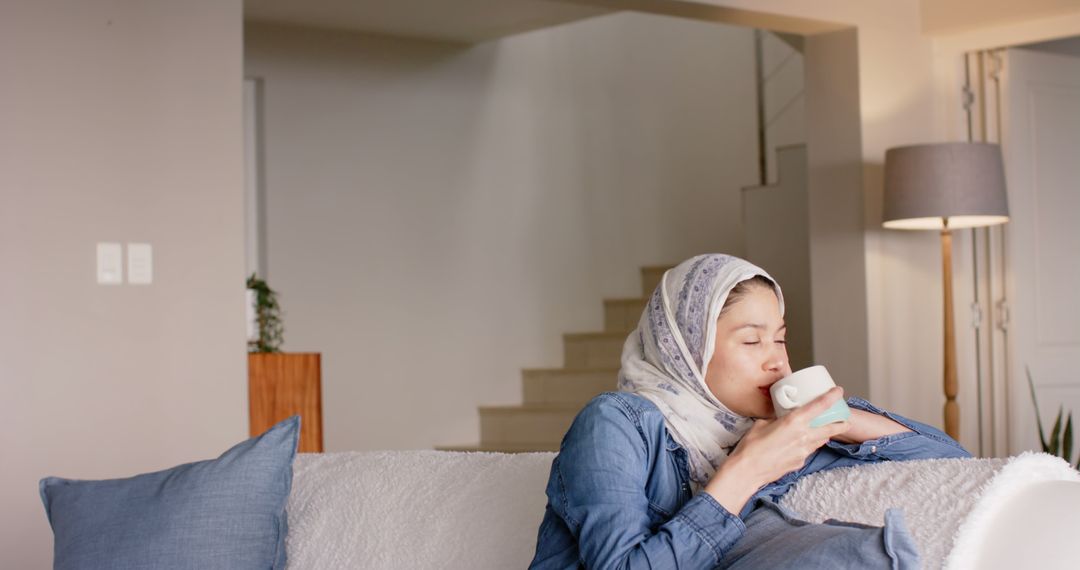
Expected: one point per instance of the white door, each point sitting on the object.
(1041, 142)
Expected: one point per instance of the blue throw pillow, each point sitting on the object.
(227, 512)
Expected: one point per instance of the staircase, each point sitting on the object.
(553, 396)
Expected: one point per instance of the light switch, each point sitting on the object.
(140, 263)
(110, 263)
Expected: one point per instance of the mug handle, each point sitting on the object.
(785, 396)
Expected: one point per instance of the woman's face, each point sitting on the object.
(750, 354)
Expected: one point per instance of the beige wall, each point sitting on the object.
(120, 121)
(945, 16)
(439, 215)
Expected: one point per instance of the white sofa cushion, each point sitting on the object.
(416, 509)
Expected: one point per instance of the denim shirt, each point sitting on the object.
(619, 492)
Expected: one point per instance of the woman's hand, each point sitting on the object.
(772, 448)
(866, 426)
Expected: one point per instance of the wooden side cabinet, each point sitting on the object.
(284, 384)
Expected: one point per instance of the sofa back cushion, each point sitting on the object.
(227, 512)
(416, 509)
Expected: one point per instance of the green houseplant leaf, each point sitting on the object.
(1066, 440)
(1060, 442)
(1038, 418)
(1055, 440)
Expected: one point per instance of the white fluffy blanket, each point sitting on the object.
(948, 503)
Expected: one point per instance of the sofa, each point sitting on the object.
(261, 505)
(436, 509)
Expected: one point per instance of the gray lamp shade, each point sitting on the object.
(927, 184)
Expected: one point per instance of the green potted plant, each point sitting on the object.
(1060, 442)
(269, 332)
(280, 384)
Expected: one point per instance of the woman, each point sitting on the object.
(682, 467)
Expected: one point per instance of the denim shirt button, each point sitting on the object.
(873, 449)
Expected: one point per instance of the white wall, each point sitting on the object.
(784, 88)
(438, 215)
(120, 121)
(835, 198)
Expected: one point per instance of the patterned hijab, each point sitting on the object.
(664, 360)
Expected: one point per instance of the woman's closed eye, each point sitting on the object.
(754, 342)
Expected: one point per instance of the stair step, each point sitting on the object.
(553, 397)
(622, 315)
(501, 447)
(527, 425)
(650, 278)
(593, 350)
(566, 386)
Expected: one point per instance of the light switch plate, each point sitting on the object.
(140, 263)
(110, 263)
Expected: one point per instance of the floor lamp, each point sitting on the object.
(945, 187)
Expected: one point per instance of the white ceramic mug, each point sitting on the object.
(800, 388)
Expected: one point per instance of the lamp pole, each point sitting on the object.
(952, 409)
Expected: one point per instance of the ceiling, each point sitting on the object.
(468, 21)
